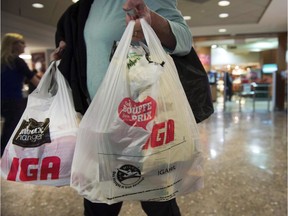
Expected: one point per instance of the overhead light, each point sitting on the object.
(222, 30)
(25, 56)
(214, 46)
(255, 50)
(75, 1)
(187, 17)
(264, 45)
(37, 5)
(223, 3)
(223, 15)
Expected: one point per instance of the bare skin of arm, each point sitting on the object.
(56, 54)
(35, 80)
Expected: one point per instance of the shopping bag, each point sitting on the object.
(194, 80)
(138, 140)
(41, 148)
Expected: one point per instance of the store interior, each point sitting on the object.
(244, 142)
(247, 43)
(248, 62)
(242, 69)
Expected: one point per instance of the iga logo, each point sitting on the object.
(32, 133)
(162, 133)
(127, 176)
(33, 169)
(137, 114)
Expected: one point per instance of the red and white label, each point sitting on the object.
(162, 133)
(33, 169)
(137, 114)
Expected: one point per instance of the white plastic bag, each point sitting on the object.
(138, 140)
(41, 148)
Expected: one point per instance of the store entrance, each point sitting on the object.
(241, 72)
(243, 89)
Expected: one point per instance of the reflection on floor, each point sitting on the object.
(246, 172)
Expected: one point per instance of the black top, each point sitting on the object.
(12, 79)
(70, 28)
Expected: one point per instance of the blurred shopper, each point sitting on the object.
(14, 70)
(228, 86)
(85, 35)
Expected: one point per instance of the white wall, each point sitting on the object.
(38, 36)
(221, 56)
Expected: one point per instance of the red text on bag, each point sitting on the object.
(137, 114)
(28, 168)
(162, 133)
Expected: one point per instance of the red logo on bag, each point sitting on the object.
(162, 133)
(137, 114)
(29, 168)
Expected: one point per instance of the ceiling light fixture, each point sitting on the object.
(37, 5)
(75, 1)
(255, 50)
(222, 30)
(223, 3)
(25, 56)
(187, 17)
(223, 15)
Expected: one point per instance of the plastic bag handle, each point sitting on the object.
(124, 43)
(64, 97)
(157, 52)
(53, 84)
(47, 81)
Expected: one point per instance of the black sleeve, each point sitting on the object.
(23, 68)
(73, 57)
(62, 25)
(64, 32)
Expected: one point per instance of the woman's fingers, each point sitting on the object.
(57, 53)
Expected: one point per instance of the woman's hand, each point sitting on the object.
(136, 9)
(57, 53)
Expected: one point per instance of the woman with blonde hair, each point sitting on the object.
(14, 71)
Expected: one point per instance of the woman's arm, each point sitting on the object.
(23, 67)
(163, 30)
(35, 80)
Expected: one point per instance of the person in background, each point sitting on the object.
(228, 86)
(84, 38)
(14, 70)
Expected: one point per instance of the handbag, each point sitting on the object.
(138, 140)
(196, 85)
(41, 148)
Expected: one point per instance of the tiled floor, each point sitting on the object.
(246, 171)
